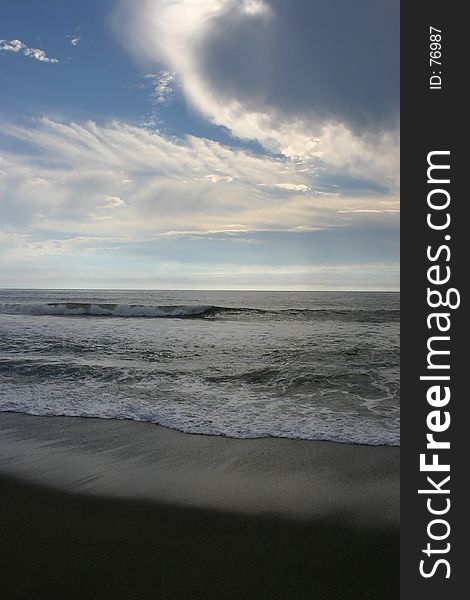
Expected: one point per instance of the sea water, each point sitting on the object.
(304, 365)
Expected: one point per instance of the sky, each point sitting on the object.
(199, 144)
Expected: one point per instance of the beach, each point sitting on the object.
(199, 300)
(95, 508)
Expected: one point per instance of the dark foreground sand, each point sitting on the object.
(159, 514)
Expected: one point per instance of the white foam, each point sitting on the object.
(193, 408)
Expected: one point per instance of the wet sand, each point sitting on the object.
(116, 509)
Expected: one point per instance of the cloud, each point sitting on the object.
(74, 38)
(369, 210)
(80, 269)
(113, 202)
(116, 200)
(18, 46)
(296, 187)
(314, 82)
(162, 88)
(211, 262)
(11, 46)
(319, 60)
(305, 79)
(155, 182)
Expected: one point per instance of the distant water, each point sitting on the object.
(305, 365)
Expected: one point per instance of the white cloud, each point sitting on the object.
(162, 86)
(11, 46)
(17, 46)
(175, 34)
(75, 40)
(294, 187)
(113, 202)
(255, 7)
(112, 198)
(134, 180)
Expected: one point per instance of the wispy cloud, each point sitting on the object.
(160, 183)
(74, 38)
(121, 201)
(162, 86)
(369, 210)
(295, 187)
(19, 46)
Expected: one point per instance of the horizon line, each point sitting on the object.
(373, 290)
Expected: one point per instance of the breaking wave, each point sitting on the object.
(197, 311)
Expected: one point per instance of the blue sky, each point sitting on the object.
(248, 144)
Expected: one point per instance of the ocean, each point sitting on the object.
(302, 365)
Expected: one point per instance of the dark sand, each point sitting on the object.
(159, 514)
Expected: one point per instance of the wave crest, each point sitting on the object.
(106, 310)
(197, 311)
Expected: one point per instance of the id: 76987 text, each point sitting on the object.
(435, 56)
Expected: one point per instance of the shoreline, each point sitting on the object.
(131, 459)
(199, 434)
(111, 510)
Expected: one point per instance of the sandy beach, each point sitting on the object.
(97, 508)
